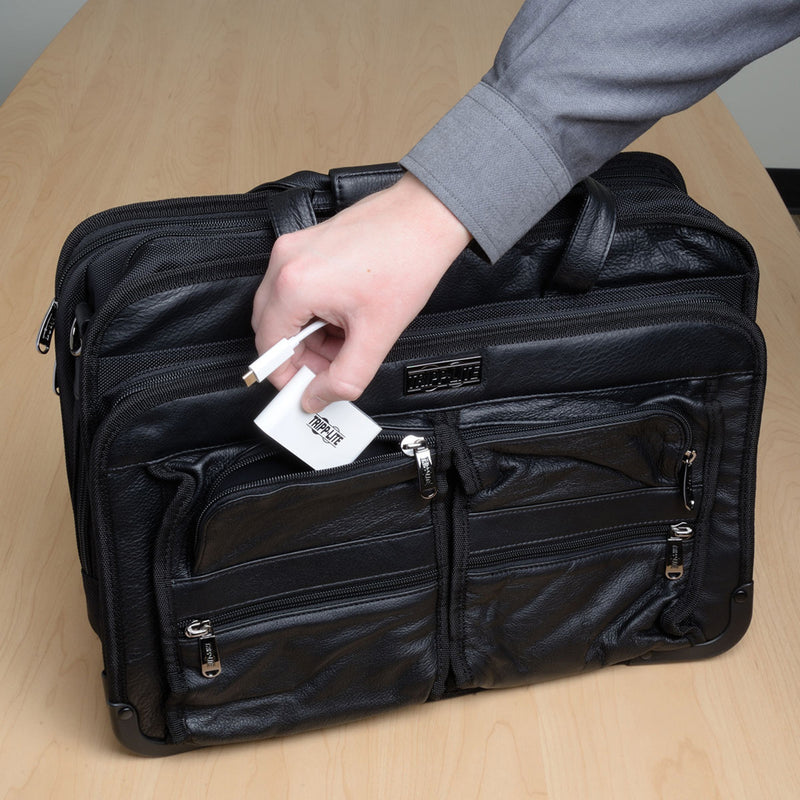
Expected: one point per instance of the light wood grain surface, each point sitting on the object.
(157, 98)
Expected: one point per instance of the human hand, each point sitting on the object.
(368, 271)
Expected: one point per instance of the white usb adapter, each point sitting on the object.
(332, 438)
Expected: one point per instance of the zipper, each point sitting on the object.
(148, 216)
(675, 537)
(679, 533)
(422, 453)
(45, 335)
(470, 334)
(687, 488)
(205, 630)
(417, 448)
(497, 433)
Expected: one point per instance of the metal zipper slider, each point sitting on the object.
(203, 631)
(417, 447)
(687, 491)
(679, 533)
(45, 335)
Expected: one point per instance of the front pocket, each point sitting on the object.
(571, 605)
(521, 464)
(577, 536)
(261, 506)
(312, 597)
(306, 659)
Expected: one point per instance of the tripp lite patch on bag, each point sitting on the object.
(563, 479)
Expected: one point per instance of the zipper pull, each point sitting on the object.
(77, 333)
(209, 655)
(417, 447)
(679, 533)
(45, 336)
(687, 491)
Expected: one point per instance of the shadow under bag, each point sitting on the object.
(579, 491)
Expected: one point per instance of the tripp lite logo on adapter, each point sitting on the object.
(329, 433)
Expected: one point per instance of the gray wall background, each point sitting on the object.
(764, 97)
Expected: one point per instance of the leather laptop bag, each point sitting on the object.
(577, 491)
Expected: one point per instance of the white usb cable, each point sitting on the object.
(278, 354)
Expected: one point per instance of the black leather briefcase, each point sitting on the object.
(590, 405)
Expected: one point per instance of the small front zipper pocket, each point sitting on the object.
(570, 604)
(578, 534)
(265, 504)
(307, 657)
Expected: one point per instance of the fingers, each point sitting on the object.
(354, 365)
(368, 270)
(278, 310)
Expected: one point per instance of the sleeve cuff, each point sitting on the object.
(491, 167)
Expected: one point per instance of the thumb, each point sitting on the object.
(349, 373)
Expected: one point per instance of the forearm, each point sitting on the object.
(573, 83)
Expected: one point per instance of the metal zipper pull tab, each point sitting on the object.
(687, 491)
(203, 631)
(417, 447)
(679, 533)
(45, 335)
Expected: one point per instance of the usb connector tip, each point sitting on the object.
(250, 378)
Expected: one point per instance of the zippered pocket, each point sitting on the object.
(572, 603)
(311, 596)
(645, 453)
(578, 533)
(262, 505)
(315, 657)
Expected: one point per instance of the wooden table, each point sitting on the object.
(147, 99)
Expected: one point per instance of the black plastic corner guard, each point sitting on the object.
(125, 724)
(741, 612)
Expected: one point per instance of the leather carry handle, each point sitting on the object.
(291, 210)
(587, 249)
(351, 184)
(581, 262)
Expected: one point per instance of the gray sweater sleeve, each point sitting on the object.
(574, 82)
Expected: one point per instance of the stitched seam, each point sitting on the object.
(320, 549)
(580, 501)
(531, 125)
(424, 587)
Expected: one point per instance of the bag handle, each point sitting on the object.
(587, 249)
(581, 262)
(350, 184)
(291, 210)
